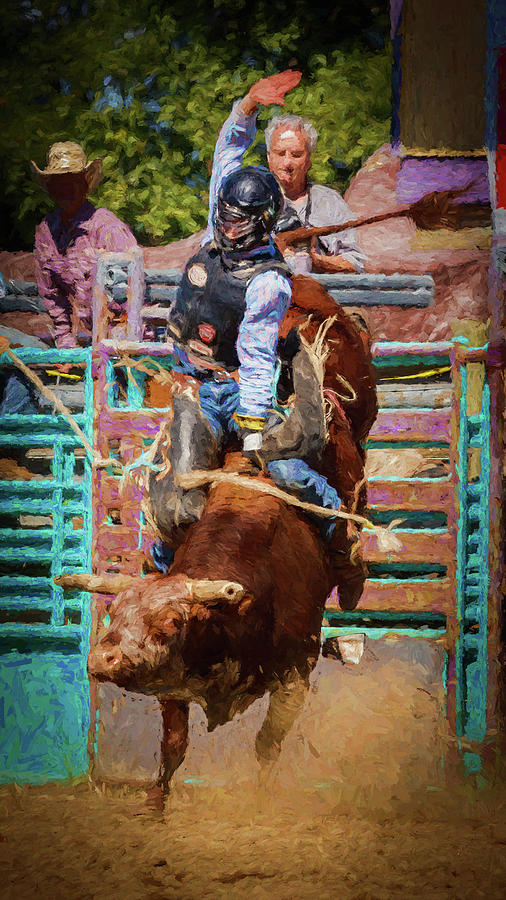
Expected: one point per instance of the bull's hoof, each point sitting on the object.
(350, 585)
(155, 799)
(347, 648)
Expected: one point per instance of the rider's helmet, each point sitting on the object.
(249, 202)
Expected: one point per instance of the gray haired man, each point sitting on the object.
(290, 141)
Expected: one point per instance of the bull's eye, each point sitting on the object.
(157, 635)
(111, 637)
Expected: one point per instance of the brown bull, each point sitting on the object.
(260, 632)
(264, 633)
(349, 388)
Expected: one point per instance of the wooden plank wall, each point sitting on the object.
(410, 479)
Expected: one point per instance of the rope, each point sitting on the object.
(199, 478)
(146, 366)
(425, 373)
(346, 384)
(146, 461)
(46, 392)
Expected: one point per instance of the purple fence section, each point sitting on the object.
(421, 175)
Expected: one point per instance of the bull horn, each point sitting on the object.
(204, 591)
(95, 584)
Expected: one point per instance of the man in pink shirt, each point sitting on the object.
(67, 241)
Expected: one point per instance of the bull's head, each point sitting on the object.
(142, 647)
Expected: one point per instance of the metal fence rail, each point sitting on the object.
(471, 660)
(45, 529)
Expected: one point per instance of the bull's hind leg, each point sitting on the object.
(285, 703)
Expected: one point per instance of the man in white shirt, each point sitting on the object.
(290, 141)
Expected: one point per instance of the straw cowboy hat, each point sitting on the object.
(66, 158)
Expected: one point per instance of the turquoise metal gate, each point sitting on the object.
(45, 529)
(471, 656)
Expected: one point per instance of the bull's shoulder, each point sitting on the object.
(311, 297)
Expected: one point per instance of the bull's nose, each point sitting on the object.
(104, 662)
(112, 658)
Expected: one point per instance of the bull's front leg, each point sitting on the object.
(174, 739)
(173, 747)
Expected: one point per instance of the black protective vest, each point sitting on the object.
(210, 302)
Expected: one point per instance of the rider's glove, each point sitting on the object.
(250, 433)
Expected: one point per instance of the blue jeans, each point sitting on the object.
(299, 479)
(219, 401)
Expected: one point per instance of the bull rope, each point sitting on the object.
(200, 477)
(386, 540)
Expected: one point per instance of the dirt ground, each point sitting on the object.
(365, 802)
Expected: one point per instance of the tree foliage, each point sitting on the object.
(147, 86)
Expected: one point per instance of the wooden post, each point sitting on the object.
(477, 335)
(454, 623)
(107, 267)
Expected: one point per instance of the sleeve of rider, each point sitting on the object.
(236, 135)
(267, 299)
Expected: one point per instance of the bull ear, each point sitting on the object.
(210, 593)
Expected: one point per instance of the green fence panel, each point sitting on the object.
(472, 569)
(45, 529)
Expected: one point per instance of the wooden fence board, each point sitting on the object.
(398, 395)
(417, 546)
(382, 595)
(412, 425)
(119, 423)
(426, 494)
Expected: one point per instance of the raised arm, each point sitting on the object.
(238, 132)
(236, 135)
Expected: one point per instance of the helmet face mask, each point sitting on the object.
(249, 201)
(233, 229)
